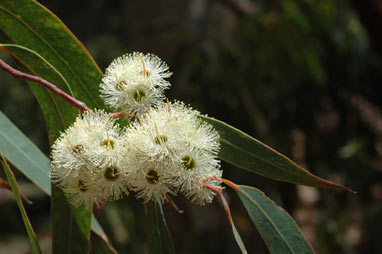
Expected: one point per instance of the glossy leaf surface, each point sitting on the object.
(279, 231)
(249, 153)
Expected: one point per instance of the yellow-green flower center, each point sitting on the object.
(188, 162)
(152, 176)
(120, 84)
(108, 143)
(82, 186)
(139, 95)
(161, 139)
(77, 149)
(112, 173)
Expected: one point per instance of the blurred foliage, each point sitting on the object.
(303, 76)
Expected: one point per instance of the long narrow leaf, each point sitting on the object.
(249, 153)
(239, 240)
(23, 154)
(158, 237)
(279, 231)
(15, 189)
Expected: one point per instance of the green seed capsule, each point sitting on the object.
(82, 186)
(152, 176)
(188, 162)
(112, 173)
(139, 94)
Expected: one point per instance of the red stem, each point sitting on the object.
(219, 192)
(172, 203)
(5, 185)
(117, 115)
(227, 182)
(18, 74)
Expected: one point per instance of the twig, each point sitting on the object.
(117, 115)
(5, 185)
(21, 75)
(219, 192)
(227, 182)
(172, 203)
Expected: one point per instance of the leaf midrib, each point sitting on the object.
(267, 217)
(259, 158)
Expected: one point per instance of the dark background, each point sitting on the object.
(303, 76)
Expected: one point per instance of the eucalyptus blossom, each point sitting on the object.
(135, 82)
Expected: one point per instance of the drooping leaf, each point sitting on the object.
(238, 240)
(15, 189)
(26, 157)
(279, 231)
(227, 210)
(249, 153)
(158, 237)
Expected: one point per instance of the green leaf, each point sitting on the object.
(31, 25)
(50, 44)
(25, 156)
(15, 189)
(159, 239)
(98, 245)
(277, 228)
(248, 153)
(70, 225)
(238, 239)
(71, 232)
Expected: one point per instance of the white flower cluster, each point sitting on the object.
(167, 149)
(135, 82)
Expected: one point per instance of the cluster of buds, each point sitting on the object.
(166, 149)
